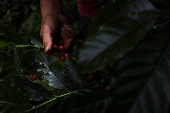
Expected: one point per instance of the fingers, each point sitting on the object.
(67, 42)
(68, 46)
(68, 35)
(69, 31)
(49, 33)
(64, 37)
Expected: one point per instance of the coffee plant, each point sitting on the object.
(122, 66)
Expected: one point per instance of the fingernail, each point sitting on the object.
(46, 49)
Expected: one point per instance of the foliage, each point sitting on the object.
(25, 15)
(128, 45)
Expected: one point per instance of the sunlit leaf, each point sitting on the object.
(54, 75)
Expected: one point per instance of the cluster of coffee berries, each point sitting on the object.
(92, 76)
(97, 75)
(60, 47)
(104, 81)
(33, 77)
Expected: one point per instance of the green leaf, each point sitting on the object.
(85, 102)
(12, 36)
(44, 83)
(3, 41)
(32, 22)
(48, 108)
(117, 8)
(114, 39)
(8, 67)
(11, 66)
(54, 75)
(17, 64)
(12, 99)
(71, 68)
(28, 58)
(4, 44)
(33, 90)
(44, 59)
(36, 40)
(61, 65)
(51, 71)
(1, 60)
(142, 82)
(116, 24)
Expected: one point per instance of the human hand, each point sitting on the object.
(51, 24)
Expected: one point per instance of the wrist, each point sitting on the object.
(54, 16)
(50, 7)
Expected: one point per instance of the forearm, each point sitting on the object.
(50, 7)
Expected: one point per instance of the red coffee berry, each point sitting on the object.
(33, 77)
(107, 87)
(61, 42)
(91, 77)
(94, 72)
(66, 54)
(56, 46)
(61, 48)
(62, 58)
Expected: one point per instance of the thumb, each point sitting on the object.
(48, 44)
(48, 49)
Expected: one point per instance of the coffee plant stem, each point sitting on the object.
(27, 46)
(48, 102)
(42, 104)
(59, 97)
